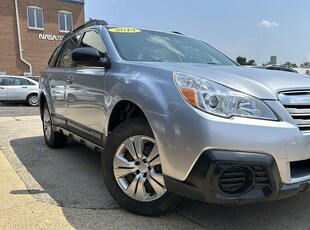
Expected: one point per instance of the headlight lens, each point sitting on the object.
(219, 100)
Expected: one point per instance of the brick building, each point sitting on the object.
(31, 29)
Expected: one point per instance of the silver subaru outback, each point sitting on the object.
(173, 117)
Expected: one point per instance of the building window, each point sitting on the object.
(35, 18)
(65, 21)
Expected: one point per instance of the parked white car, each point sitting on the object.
(19, 89)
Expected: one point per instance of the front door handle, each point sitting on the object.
(1, 88)
(70, 79)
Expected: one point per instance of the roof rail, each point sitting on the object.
(87, 24)
(176, 32)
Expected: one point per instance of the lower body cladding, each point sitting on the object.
(225, 177)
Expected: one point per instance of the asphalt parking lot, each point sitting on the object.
(70, 178)
(8, 110)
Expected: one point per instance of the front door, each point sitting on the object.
(85, 102)
(3, 89)
(85, 94)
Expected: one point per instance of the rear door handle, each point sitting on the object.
(24, 87)
(1, 88)
(70, 79)
(50, 76)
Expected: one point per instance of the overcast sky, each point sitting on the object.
(254, 29)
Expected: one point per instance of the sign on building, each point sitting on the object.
(50, 37)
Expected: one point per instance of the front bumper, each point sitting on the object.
(205, 181)
(188, 132)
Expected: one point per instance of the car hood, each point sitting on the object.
(260, 83)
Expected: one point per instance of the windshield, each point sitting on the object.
(145, 45)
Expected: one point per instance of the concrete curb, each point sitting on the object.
(19, 209)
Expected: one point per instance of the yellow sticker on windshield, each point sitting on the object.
(124, 30)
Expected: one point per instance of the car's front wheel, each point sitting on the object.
(53, 139)
(132, 170)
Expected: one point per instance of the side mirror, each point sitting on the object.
(89, 57)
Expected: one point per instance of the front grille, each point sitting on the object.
(300, 168)
(297, 103)
(261, 175)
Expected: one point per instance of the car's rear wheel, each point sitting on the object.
(32, 100)
(53, 139)
(132, 170)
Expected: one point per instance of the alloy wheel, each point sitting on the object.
(33, 100)
(137, 169)
(47, 125)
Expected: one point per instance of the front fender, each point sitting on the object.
(154, 92)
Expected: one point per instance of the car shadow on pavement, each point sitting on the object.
(72, 177)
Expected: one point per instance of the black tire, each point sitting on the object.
(54, 139)
(71, 98)
(32, 100)
(133, 127)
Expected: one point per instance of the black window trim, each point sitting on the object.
(62, 49)
(56, 60)
(82, 34)
(98, 32)
(102, 40)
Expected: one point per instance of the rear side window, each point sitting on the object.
(93, 39)
(30, 83)
(65, 60)
(2, 81)
(53, 60)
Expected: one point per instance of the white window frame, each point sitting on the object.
(35, 18)
(66, 25)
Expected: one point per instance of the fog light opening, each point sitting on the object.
(236, 180)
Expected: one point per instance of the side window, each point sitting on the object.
(17, 81)
(29, 83)
(2, 81)
(65, 60)
(93, 39)
(53, 60)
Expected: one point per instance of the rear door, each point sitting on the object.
(3, 89)
(57, 78)
(17, 89)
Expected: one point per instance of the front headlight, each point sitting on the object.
(219, 100)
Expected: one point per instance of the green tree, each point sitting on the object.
(290, 65)
(241, 60)
(251, 62)
(294, 65)
(305, 65)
